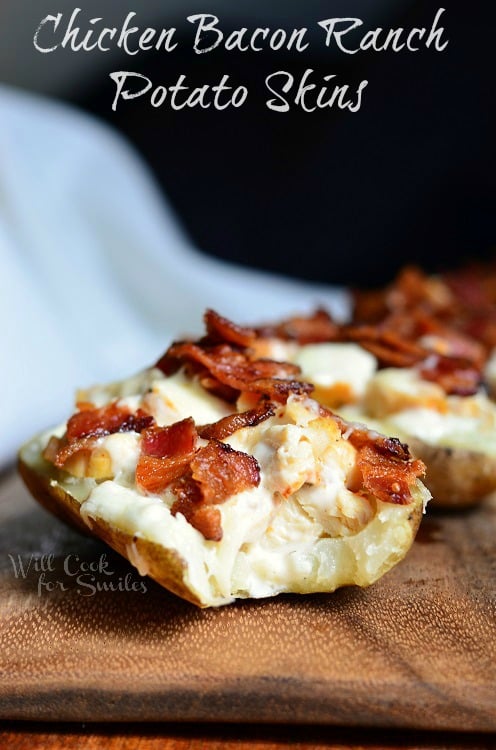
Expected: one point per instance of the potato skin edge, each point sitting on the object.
(163, 565)
(415, 519)
(456, 477)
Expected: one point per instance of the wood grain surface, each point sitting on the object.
(22, 736)
(416, 650)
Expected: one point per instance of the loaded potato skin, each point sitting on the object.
(217, 475)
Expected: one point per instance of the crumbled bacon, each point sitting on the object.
(316, 328)
(226, 426)
(482, 328)
(166, 453)
(200, 478)
(164, 442)
(156, 474)
(222, 471)
(385, 464)
(205, 518)
(105, 421)
(66, 449)
(216, 388)
(390, 349)
(430, 334)
(411, 290)
(224, 364)
(236, 370)
(456, 376)
(474, 287)
(216, 473)
(221, 330)
(457, 310)
(359, 436)
(387, 476)
(136, 422)
(86, 426)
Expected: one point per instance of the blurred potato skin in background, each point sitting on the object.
(332, 196)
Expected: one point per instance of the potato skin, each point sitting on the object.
(165, 566)
(415, 518)
(456, 477)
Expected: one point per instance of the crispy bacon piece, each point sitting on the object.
(455, 375)
(359, 436)
(224, 365)
(482, 328)
(96, 422)
(156, 474)
(216, 388)
(169, 365)
(200, 479)
(86, 426)
(217, 472)
(205, 518)
(222, 471)
(411, 290)
(233, 422)
(474, 287)
(105, 421)
(164, 442)
(449, 342)
(385, 464)
(387, 346)
(221, 330)
(432, 334)
(236, 370)
(458, 307)
(166, 453)
(67, 449)
(386, 475)
(316, 328)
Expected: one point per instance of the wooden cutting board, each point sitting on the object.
(418, 649)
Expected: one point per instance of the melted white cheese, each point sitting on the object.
(124, 451)
(178, 397)
(451, 430)
(328, 364)
(394, 389)
(400, 403)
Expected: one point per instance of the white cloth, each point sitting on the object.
(96, 275)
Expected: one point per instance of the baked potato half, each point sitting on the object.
(216, 475)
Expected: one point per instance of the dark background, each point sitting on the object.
(333, 196)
